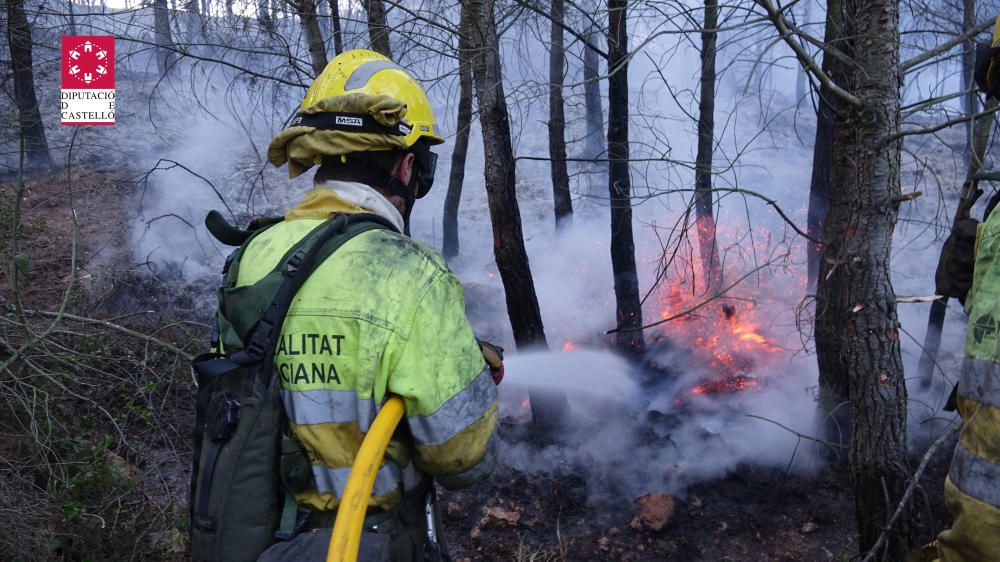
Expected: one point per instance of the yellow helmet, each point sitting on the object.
(987, 69)
(368, 72)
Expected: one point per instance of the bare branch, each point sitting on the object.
(945, 125)
(909, 492)
(944, 47)
(807, 61)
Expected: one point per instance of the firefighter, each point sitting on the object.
(970, 272)
(382, 315)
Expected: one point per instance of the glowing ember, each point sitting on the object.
(569, 346)
(525, 404)
(738, 383)
(723, 344)
(722, 336)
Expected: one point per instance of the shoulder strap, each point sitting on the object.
(295, 268)
(231, 235)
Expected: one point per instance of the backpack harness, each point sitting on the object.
(246, 469)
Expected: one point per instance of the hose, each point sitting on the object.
(346, 538)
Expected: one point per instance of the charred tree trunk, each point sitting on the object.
(29, 118)
(819, 186)
(378, 29)
(857, 329)
(561, 200)
(628, 303)
(457, 175)
(595, 144)
(338, 40)
(165, 54)
(314, 37)
(708, 247)
(508, 241)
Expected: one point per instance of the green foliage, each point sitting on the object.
(89, 478)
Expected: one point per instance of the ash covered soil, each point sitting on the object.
(753, 514)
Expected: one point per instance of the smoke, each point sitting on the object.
(617, 434)
(217, 126)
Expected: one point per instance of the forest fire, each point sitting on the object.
(721, 339)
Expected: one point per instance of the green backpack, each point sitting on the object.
(246, 469)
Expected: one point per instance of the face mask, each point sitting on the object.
(409, 197)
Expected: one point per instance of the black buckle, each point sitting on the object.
(294, 262)
(258, 343)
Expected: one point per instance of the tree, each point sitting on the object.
(378, 29)
(819, 184)
(264, 18)
(856, 324)
(561, 199)
(192, 22)
(628, 304)
(165, 53)
(508, 240)
(338, 41)
(313, 35)
(968, 64)
(29, 118)
(708, 247)
(833, 384)
(71, 17)
(857, 328)
(800, 77)
(464, 121)
(594, 146)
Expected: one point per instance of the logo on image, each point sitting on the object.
(88, 80)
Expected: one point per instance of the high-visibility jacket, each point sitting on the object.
(382, 315)
(972, 488)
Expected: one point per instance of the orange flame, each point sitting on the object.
(724, 334)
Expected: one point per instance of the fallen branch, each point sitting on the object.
(833, 446)
(117, 328)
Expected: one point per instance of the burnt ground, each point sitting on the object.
(111, 484)
(753, 514)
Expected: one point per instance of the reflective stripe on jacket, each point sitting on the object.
(383, 314)
(972, 488)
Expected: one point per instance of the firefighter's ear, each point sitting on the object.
(404, 168)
